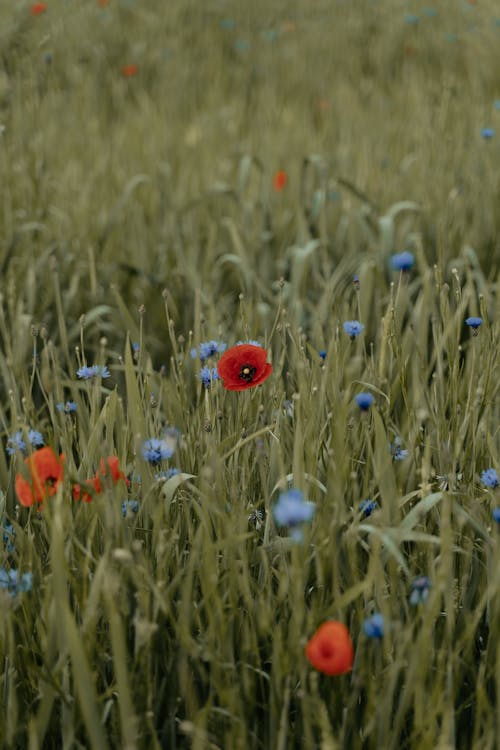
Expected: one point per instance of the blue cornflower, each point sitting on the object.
(16, 442)
(420, 590)
(129, 506)
(135, 346)
(353, 328)
(355, 281)
(8, 537)
(397, 453)
(208, 375)
(322, 354)
(252, 342)
(291, 511)
(364, 400)
(68, 408)
(489, 478)
(487, 133)
(374, 626)
(154, 450)
(367, 507)
(474, 323)
(13, 583)
(495, 514)
(402, 261)
(87, 373)
(162, 476)
(208, 349)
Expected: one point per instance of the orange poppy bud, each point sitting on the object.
(280, 180)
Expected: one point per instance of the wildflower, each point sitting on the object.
(367, 507)
(88, 373)
(411, 19)
(420, 590)
(353, 328)
(208, 375)
(249, 341)
(402, 261)
(496, 104)
(13, 583)
(129, 71)
(109, 466)
(364, 400)
(279, 181)
(474, 323)
(374, 626)
(208, 349)
(330, 650)
(91, 487)
(68, 408)
(8, 537)
(243, 366)
(155, 450)
(129, 507)
(227, 24)
(355, 282)
(489, 478)
(163, 476)
(322, 354)
(46, 471)
(397, 453)
(495, 514)
(291, 511)
(38, 8)
(16, 442)
(487, 133)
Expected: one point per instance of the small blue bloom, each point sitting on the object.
(355, 281)
(402, 261)
(322, 354)
(135, 346)
(374, 626)
(16, 442)
(474, 323)
(291, 509)
(496, 104)
(489, 478)
(8, 537)
(154, 450)
(364, 400)
(129, 506)
(367, 507)
(495, 514)
(420, 590)
(68, 408)
(13, 583)
(88, 373)
(412, 19)
(353, 328)
(252, 342)
(397, 453)
(487, 133)
(431, 12)
(208, 375)
(208, 349)
(227, 24)
(162, 476)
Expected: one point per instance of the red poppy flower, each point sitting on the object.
(38, 8)
(129, 71)
(46, 475)
(330, 650)
(243, 366)
(109, 466)
(280, 180)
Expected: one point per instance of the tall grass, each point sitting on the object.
(140, 211)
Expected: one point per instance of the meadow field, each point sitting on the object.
(249, 350)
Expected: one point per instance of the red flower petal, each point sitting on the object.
(46, 471)
(280, 180)
(129, 71)
(38, 8)
(330, 650)
(243, 366)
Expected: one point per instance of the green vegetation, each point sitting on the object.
(139, 218)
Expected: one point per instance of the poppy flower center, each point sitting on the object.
(326, 649)
(247, 372)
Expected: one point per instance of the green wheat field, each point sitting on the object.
(177, 172)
